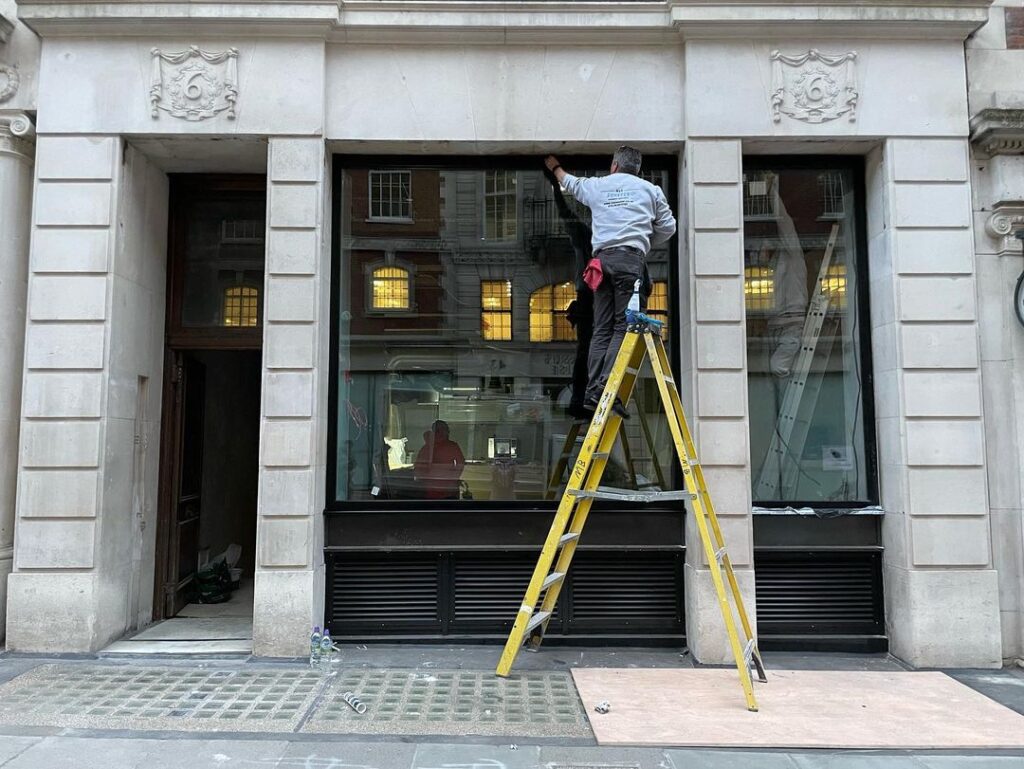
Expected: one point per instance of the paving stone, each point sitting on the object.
(452, 702)
(347, 755)
(104, 753)
(476, 757)
(562, 757)
(108, 697)
(728, 759)
(855, 761)
(12, 746)
(972, 762)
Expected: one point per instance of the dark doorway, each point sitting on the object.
(211, 404)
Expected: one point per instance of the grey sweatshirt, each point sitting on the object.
(627, 210)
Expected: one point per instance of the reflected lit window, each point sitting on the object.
(832, 197)
(241, 306)
(549, 321)
(758, 199)
(657, 304)
(500, 215)
(759, 289)
(391, 195)
(389, 287)
(496, 310)
(833, 285)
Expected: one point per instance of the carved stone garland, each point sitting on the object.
(194, 84)
(9, 81)
(814, 87)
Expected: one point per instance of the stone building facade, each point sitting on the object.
(820, 158)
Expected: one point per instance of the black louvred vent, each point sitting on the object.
(489, 589)
(824, 592)
(623, 591)
(384, 592)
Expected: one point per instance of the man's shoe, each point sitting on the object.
(618, 407)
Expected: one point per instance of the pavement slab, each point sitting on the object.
(347, 755)
(10, 747)
(110, 753)
(476, 757)
(727, 759)
(452, 702)
(855, 761)
(159, 698)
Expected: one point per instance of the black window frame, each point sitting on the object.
(855, 165)
(518, 162)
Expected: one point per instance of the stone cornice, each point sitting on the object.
(17, 135)
(999, 131)
(471, 21)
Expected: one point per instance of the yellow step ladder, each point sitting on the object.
(642, 340)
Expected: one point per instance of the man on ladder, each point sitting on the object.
(629, 216)
(636, 338)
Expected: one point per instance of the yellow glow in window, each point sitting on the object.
(241, 306)
(833, 285)
(759, 288)
(548, 319)
(496, 310)
(390, 287)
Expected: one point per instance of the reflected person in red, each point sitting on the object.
(439, 463)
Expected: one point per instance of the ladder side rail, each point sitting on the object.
(684, 445)
(660, 355)
(597, 436)
(768, 478)
(623, 381)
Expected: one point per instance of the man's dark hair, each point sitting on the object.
(628, 159)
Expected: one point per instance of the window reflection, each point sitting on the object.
(803, 337)
(458, 340)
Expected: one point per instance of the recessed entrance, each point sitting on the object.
(209, 452)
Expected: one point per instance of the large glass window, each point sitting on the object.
(464, 395)
(806, 346)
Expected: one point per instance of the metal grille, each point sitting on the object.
(816, 593)
(459, 593)
(619, 591)
(383, 592)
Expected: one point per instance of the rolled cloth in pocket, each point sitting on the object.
(593, 274)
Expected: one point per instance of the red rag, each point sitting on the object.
(593, 274)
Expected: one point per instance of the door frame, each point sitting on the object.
(178, 340)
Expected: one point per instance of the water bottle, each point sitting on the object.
(326, 651)
(633, 308)
(314, 648)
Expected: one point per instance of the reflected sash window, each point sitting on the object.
(496, 310)
(389, 288)
(807, 354)
(391, 196)
(241, 306)
(454, 360)
(549, 321)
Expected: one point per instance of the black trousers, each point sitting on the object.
(621, 267)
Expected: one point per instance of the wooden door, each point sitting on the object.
(183, 444)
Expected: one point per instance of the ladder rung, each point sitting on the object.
(567, 538)
(553, 577)
(537, 619)
(748, 651)
(631, 370)
(630, 496)
(720, 554)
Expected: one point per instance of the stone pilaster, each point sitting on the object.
(17, 155)
(941, 590)
(715, 379)
(93, 343)
(289, 571)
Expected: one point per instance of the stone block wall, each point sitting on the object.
(941, 589)
(293, 444)
(714, 378)
(95, 327)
